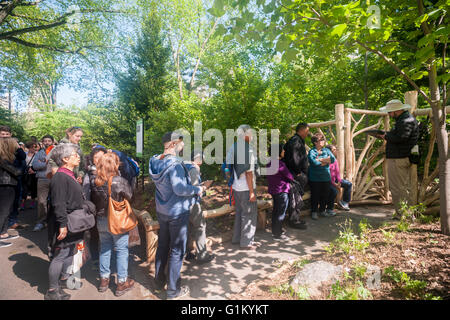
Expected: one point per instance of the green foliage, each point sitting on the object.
(412, 289)
(13, 121)
(409, 214)
(352, 291)
(299, 264)
(45, 44)
(388, 236)
(349, 242)
(144, 85)
(301, 293)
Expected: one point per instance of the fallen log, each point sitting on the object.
(151, 226)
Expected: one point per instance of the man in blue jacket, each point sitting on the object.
(43, 185)
(175, 195)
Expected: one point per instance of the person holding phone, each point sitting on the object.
(197, 222)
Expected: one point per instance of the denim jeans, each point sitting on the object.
(346, 196)
(331, 197)
(347, 186)
(280, 205)
(108, 241)
(171, 249)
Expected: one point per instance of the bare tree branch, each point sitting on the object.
(7, 9)
(43, 46)
(202, 49)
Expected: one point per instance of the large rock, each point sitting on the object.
(373, 274)
(313, 275)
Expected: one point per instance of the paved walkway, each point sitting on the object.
(24, 265)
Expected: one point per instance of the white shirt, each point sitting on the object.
(240, 184)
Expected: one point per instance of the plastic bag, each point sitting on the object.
(81, 256)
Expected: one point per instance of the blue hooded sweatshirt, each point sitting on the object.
(174, 193)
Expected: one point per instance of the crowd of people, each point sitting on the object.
(71, 189)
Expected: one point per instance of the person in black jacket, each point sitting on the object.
(400, 140)
(65, 197)
(9, 176)
(296, 159)
(19, 162)
(108, 170)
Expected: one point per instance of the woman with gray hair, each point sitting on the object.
(65, 197)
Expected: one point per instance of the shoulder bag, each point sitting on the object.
(121, 218)
(81, 219)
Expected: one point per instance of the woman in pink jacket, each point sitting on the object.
(336, 183)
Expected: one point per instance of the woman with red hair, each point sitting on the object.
(108, 169)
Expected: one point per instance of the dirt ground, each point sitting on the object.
(422, 252)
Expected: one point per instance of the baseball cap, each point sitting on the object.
(171, 136)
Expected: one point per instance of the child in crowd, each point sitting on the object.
(279, 186)
(336, 183)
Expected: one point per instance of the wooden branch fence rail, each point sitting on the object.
(369, 187)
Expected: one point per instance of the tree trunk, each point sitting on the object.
(442, 143)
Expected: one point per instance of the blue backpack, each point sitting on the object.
(227, 171)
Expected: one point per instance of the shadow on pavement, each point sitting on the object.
(27, 267)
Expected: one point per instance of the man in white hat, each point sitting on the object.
(400, 140)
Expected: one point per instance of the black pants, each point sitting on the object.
(319, 195)
(7, 195)
(29, 186)
(280, 205)
(62, 259)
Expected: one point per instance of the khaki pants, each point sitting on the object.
(399, 181)
(43, 188)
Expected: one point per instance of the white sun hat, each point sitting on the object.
(395, 105)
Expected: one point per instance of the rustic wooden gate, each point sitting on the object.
(362, 157)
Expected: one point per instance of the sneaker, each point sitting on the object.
(124, 287)
(297, 225)
(330, 213)
(190, 256)
(282, 237)
(208, 257)
(251, 247)
(33, 205)
(157, 287)
(184, 291)
(343, 205)
(5, 244)
(323, 214)
(314, 215)
(10, 237)
(64, 295)
(38, 227)
(104, 284)
(16, 226)
(52, 295)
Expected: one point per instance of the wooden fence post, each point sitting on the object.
(385, 171)
(340, 136)
(411, 99)
(348, 145)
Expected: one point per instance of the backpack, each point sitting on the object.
(134, 166)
